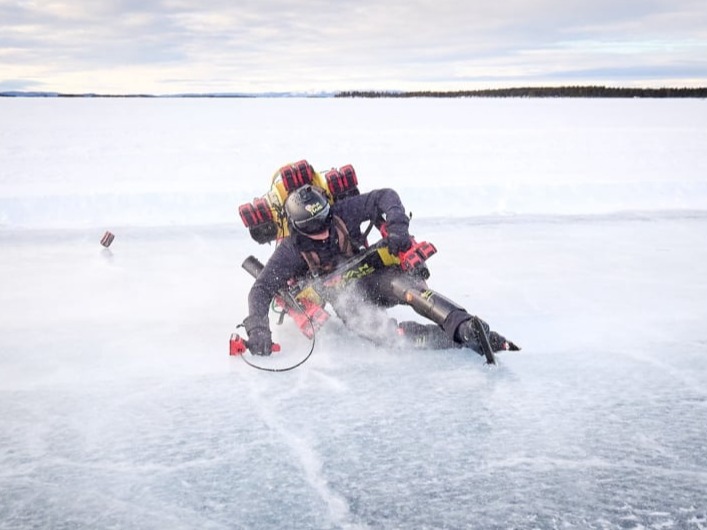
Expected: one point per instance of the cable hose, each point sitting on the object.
(287, 369)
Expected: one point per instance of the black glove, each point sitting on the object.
(259, 336)
(398, 242)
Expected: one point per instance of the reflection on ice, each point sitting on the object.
(122, 407)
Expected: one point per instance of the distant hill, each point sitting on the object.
(20, 94)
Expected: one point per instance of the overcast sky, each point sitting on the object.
(178, 46)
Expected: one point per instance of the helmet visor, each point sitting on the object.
(315, 224)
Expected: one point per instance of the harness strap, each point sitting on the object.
(314, 260)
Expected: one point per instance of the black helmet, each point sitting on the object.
(307, 210)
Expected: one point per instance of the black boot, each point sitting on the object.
(466, 334)
(425, 336)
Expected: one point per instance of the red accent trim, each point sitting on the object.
(305, 172)
(296, 175)
(247, 213)
(237, 345)
(255, 213)
(416, 255)
(309, 319)
(263, 210)
(349, 174)
(341, 182)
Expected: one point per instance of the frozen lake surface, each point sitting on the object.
(576, 228)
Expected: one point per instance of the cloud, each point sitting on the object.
(167, 46)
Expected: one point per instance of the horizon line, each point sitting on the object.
(569, 90)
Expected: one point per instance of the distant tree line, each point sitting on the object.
(539, 92)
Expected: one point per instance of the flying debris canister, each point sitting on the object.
(107, 239)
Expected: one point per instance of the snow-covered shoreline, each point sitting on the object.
(82, 163)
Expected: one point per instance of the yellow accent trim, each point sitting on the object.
(308, 293)
(387, 258)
